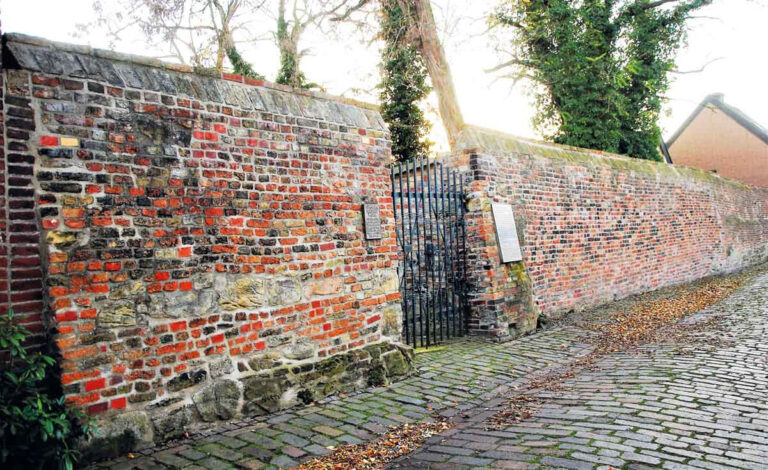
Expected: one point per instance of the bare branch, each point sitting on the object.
(521, 62)
(345, 16)
(516, 78)
(698, 70)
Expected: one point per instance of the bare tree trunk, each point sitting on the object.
(225, 43)
(224, 31)
(288, 36)
(423, 34)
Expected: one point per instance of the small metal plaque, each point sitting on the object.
(506, 233)
(372, 218)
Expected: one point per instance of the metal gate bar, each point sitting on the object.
(429, 211)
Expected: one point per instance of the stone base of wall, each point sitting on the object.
(271, 389)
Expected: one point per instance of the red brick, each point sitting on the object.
(117, 403)
(97, 384)
(49, 141)
(112, 266)
(98, 408)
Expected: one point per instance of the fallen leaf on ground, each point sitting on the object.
(648, 320)
(376, 454)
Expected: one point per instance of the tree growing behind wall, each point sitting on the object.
(240, 66)
(200, 33)
(600, 68)
(293, 19)
(403, 85)
(421, 33)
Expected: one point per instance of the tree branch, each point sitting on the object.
(698, 70)
(345, 16)
(522, 62)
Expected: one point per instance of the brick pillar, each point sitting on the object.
(20, 249)
(4, 294)
(499, 294)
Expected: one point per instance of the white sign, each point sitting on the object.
(506, 233)
(372, 219)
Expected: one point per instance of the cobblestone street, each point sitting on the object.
(672, 406)
(460, 376)
(694, 404)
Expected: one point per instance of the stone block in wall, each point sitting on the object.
(219, 400)
(120, 434)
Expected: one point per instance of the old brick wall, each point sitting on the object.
(21, 279)
(202, 239)
(3, 205)
(595, 227)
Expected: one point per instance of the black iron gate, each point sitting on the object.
(429, 211)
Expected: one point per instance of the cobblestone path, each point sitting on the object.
(460, 376)
(675, 405)
(701, 405)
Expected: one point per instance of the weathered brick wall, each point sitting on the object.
(20, 256)
(202, 238)
(4, 292)
(595, 227)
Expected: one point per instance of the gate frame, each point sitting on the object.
(435, 240)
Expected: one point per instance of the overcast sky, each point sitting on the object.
(736, 30)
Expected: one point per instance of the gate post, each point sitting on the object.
(499, 294)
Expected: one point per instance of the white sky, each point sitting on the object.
(736, 30)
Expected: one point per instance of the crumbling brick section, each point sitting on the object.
(594, 227)
(202, 238)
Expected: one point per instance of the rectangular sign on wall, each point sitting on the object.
(506, 233)
(372, 220)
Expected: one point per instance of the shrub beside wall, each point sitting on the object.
(203, 247)
(595, 227)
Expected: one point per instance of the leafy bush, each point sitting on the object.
(37, 430)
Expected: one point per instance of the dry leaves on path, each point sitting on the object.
(376, 454)
(648, 319)
(519, 408)
(657, 319)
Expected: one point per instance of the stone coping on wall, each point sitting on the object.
(131, 71)
(475, 139)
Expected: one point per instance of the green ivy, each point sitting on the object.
(240, 66)
(600, 67)
(37, 429)
(403, 86)
(290, 74)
